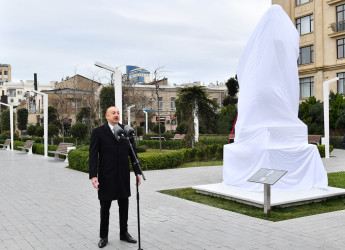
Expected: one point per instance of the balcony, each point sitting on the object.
(337, 29)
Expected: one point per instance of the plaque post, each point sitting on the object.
(267, 177)
(267, 199)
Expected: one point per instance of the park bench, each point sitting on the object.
(62, 149)
(6, 144)
(314, 139)
(157, 138)
(27, 146)
(178, 137)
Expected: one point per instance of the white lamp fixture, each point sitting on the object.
(196, 122)
(45, 121)
(117, 85)
(11, 122)
(326, 112)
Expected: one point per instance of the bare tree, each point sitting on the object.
(156, 78)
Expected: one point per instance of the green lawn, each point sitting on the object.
(277, 214)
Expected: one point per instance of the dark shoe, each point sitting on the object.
(103, 242)
(127, 237)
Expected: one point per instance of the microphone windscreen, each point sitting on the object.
(129, 130)
(118, 132)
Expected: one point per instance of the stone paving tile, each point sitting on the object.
(43, 205)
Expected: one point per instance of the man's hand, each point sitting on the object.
(95, 182)
(139, 179)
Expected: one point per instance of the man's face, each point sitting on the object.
(113, 115)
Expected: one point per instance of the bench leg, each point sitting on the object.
(56, 156)
(66, 160)
(30, 151)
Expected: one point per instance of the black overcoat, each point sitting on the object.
(109, 158)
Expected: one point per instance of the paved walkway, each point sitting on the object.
(44, 205)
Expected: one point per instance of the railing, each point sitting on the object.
(338, 26)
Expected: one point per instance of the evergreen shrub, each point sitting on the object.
(321, 149)
(172, 144)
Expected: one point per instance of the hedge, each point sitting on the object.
(79, 160)
(335, 141)
(321, 149)
(172, 144)
(210, 152)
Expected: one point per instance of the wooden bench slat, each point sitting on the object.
(6, 143)
(62, 148)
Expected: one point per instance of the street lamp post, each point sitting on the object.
(45, 120)
(326, 112)
(117, 85)
(146, 121)
(11, 122)
(129, 114)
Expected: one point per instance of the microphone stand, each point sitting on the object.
(137, 163)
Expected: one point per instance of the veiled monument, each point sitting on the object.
(269, 133)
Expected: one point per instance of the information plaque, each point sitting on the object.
(267, 177)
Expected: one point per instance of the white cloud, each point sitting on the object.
(195, 40)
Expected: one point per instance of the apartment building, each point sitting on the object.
(5, 73)
(321, 25)
(15, 91)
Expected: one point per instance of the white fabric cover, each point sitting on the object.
(268, 131)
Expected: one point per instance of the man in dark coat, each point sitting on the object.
(109, 158)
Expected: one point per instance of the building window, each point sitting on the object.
(306, 87)
(306, 55)
(19, 100)
(340, 17)
(19, 92)
(143, 105)
(341, 83)
(12, 93)
(11, 100)
(340, 48)
(299, 2)
(305, 24)
(5, 72)
(160, 103)
(172, 103)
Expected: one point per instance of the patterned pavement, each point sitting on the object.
(44, 205)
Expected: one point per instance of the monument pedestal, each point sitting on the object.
(278, 198)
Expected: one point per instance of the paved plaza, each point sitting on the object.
(44, 205)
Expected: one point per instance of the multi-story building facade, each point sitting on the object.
(5, 73)
(165, 103)
(321, 25)
(15, 91)
(136, 74)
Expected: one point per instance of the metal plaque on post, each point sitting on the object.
(267, 177)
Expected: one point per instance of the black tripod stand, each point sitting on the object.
(126, 133)
(137, 163)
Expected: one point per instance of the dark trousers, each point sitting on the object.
(123, 215)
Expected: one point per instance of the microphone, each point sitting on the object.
(118, 132)
(129, 131)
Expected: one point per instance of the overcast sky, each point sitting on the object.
(195, 40)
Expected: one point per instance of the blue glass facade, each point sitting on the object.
(129, 68)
